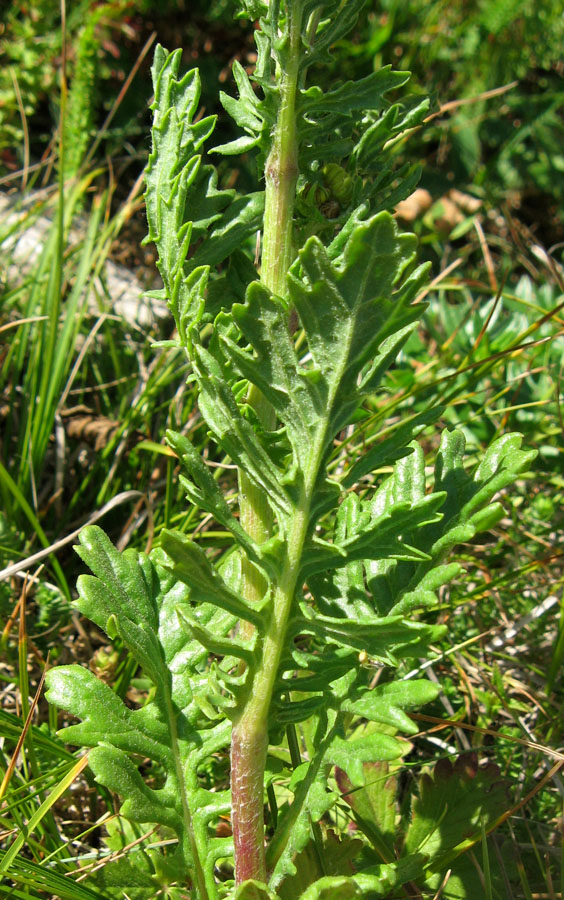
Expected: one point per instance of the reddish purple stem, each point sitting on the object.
(248, 756)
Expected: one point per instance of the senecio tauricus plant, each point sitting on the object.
(261, 649)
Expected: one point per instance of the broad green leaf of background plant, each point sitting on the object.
(451, 806)
(448, 810)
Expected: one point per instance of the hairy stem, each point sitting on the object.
(250, 732)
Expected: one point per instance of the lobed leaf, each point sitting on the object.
(374, 805)
(185, 208)
(134, 596)
(385, 703)
(234, 434)
(203, 491)
(453, 805)
(190, 566)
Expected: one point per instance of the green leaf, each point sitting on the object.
(255, 116)
(376, 884)
(401, 586)
(241, 221)
(253, 9)
(123, 597)
(115, 770)
(350, 755)
(467, 879)
(245, 111)
(184, 205)
(254, 890)
(126, 876)
(105, 717)
(191, 567)
(348, 307)
(238, 146)
(234, 434)
(332, 26)
(274, 368)
(204, 492)
(385, 703)
(370, 149)
(503, 461)
(363, 94)
(453, 803)
(214, 643)
(326, 853)
(374, 805)
(425, 592)
(332, 887)
(384, 638)
(378, 539)
(135, 596)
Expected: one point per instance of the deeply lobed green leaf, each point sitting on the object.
(133, 596)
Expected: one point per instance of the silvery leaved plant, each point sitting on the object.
(261, 651)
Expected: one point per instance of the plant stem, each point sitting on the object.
(250, 732)
(281, 173)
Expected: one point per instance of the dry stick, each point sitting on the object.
(21, 107)
(135, 521)
(486, 324)
(41, 554)
(466, 101)
(445, 723)
(497, 642)
(88, 870)
(84, 349)
(95, 144)
(6, 179)
(447, 107)
(494, 356)
(17, 610)
(486, 254)
(549, 883)
(437, 280)
(443, 884)
(501, 354)
(25, 729)
(19, 322)
(532, 793)
(449, 708)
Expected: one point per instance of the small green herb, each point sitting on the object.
(264, 651)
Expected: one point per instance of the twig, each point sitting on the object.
(58, 545)
(487, 255)
(466, 101)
